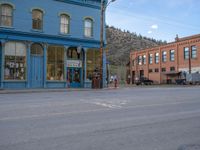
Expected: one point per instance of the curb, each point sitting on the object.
(16, 91)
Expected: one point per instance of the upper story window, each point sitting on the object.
(164, 56)
(64, 24)
(186, 53)
(144, 59)
(194, 52)
(37, 18)
(150, 58)
(88, 27)
(157, 58)
(172, 58)
(140, 60)
(6, 12)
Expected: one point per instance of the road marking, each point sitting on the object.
(107, 105)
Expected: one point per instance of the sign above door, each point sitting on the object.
(74, 63)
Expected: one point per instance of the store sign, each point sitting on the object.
(74, 63)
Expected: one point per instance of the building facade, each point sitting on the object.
(164, 64)
(49, 43)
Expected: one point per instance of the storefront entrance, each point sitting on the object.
(37, 66)
(74, 77)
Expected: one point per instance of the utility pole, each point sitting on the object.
(101, 42)
(103, 8)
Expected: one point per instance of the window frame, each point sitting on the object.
(66, 24)
(54, 62)
(172, 53)
(171, 70)
(186, 52)
(150, 58)
(6, 16)
(39, 22)
(164, 56)
(16, 62)
(193, 49)
(163, 69)
(90, 20)
(156, 58)
(144, 59)
(156, 70)
(140, 60)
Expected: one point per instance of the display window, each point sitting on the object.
(93, 62)
(15, 61)
(55, 63)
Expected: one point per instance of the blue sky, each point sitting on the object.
(160, 19)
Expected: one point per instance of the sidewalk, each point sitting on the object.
(110, 87)
(15, 91)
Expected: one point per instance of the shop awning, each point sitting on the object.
(172, 73)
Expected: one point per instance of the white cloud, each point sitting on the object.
(149, 32)
(155, 26)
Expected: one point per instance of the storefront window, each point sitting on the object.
(15, 61)
(55, 63)
(93, 62)
(72, 53)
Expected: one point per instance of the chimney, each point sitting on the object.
(176, 39)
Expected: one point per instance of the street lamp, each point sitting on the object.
(103, 9)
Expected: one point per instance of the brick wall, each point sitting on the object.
(161, 72)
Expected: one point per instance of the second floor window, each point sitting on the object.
(140, 60)
(164, 56)
(88, 27)
(157, 58)
(64, 24)
(37, 19)
(186, 53)
(6, 14)
(172, 55)
(150, 58)
(194, 52)
(144, 59)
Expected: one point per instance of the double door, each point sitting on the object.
(74, 77)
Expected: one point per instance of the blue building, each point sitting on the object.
(49, 43)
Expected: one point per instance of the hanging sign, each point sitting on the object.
(74, 63)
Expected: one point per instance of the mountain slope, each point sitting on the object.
(120, 43)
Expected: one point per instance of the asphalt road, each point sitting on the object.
(121, 119)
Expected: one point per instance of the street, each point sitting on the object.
(160, 118)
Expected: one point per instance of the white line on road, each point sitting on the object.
(105, 105)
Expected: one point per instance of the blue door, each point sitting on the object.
(37, 71)
(74, 76)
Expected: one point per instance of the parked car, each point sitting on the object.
(143, 81)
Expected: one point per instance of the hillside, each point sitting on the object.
(120, 43)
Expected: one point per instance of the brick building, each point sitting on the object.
(164, 64)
